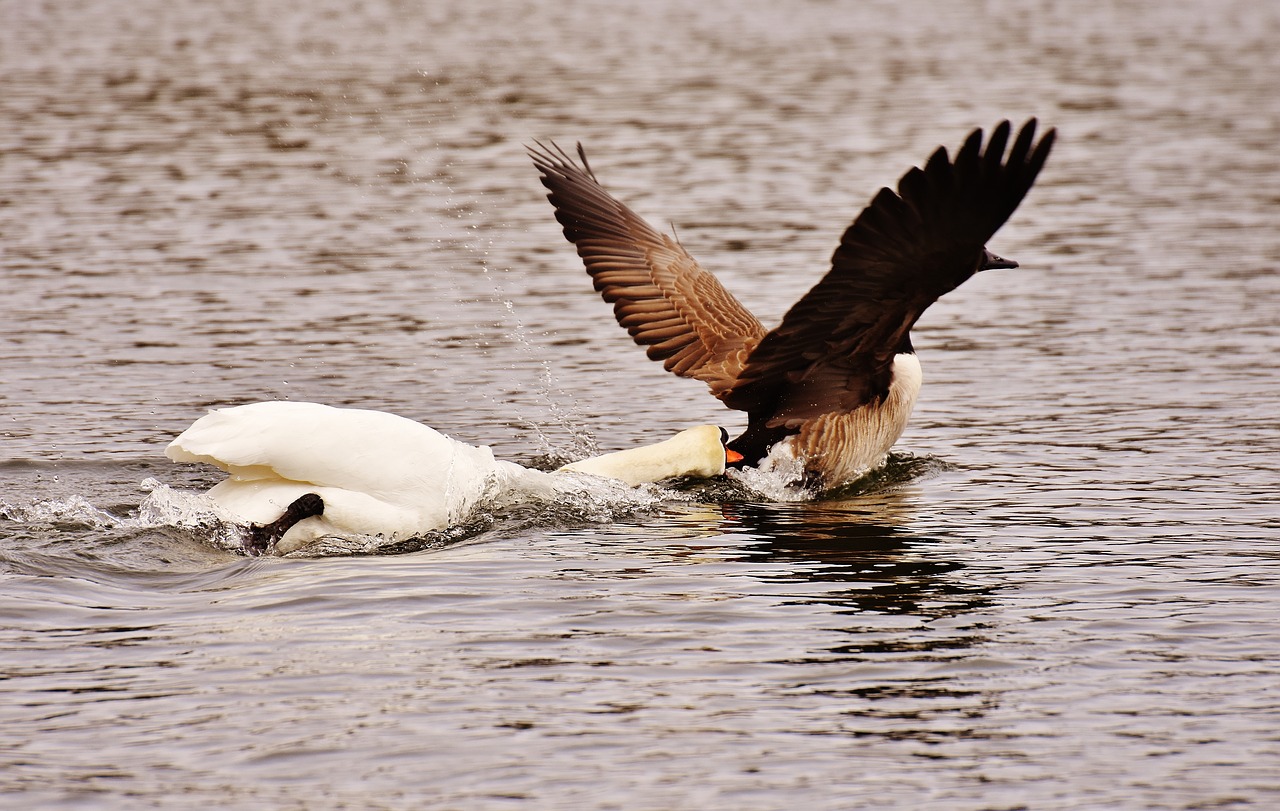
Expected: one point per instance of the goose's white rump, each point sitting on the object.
(381, 474)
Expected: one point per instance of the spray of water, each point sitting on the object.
(561, 410)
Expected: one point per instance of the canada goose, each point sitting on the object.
(336, 471)
(833, 385)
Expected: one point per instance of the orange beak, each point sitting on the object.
(731, 456)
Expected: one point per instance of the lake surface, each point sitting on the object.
(1063, 596)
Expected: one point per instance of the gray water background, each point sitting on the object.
(1068, 600)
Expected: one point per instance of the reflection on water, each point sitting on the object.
(847, 543)
(1068, 600)
(871, 565)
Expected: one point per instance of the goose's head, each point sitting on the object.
(992, 262)
(699, 452)
(954, 274)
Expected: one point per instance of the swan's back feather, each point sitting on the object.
(352, 449)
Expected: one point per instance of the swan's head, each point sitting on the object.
(698, 452)
(703, 449)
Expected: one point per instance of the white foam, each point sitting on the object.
(778, 477)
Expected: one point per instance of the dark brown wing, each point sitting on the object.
(834, 348)
(663, 297)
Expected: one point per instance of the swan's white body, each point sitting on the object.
(381, 474)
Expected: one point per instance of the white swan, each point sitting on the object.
(381, 474)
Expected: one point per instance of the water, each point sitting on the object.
(1063, 597)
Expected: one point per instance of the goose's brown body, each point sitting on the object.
(837, 379)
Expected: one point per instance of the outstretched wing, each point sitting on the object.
(660, 294)
(834, 349)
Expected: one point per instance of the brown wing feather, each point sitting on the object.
(834, 349)
(660, 294)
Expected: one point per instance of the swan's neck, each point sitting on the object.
(685, 454)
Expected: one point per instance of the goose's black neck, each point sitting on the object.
(755, 442)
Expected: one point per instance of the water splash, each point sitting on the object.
(780, 475)
(200, 515)
(567, 417)
(75, 511)
(560, 405)
(563, 499)
(163, 507)
(510, 507)
(898, 469)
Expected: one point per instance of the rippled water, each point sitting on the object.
(1063, 596)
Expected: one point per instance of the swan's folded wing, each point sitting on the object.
(353, 449)
(240, 441)
(834, 349)
(660, 294)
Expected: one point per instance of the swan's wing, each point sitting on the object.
(834, 349)
(660, 294)
(249, 441)
(353, 449)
